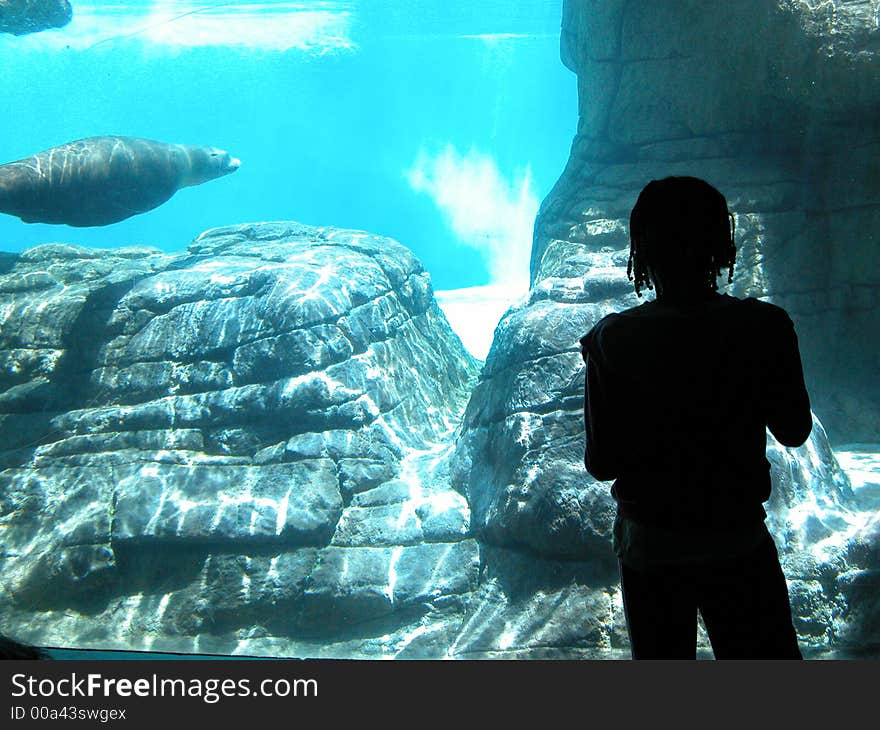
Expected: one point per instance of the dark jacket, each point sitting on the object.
(678, 399)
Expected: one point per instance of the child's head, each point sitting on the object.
(682, 233)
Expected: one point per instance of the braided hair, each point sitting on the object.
(680, 223)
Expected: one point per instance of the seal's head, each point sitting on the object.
(207, 163)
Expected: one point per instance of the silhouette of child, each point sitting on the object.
(679, 393)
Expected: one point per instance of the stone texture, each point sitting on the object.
(30, 16)
(773, 102)
(161, 490)
(246, 440)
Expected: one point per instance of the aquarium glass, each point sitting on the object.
(234, 380)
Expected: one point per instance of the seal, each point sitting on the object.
(102, 180)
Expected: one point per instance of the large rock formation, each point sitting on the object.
(20, 17)
(244, 441)
(775, 103)
(248, 447)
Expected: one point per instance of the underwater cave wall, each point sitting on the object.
(688, 88)
(775, 103)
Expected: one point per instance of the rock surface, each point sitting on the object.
(20, 17)
(773, 102)
(239, 448)
(260, 446)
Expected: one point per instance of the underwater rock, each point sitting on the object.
(102, 180)
(261, 446)
(786, 132)
(774, 103)
(247, 441)
(30, 16)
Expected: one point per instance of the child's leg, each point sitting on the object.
(745, 606)
(661, 613)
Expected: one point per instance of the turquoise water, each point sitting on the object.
(441, 124)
